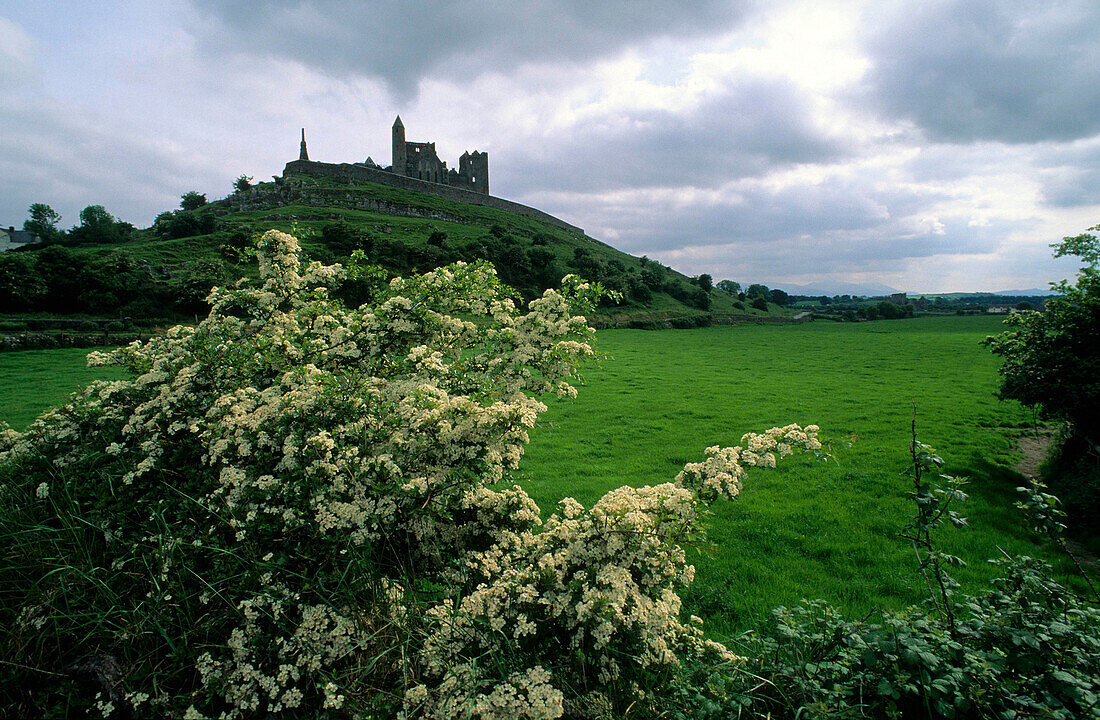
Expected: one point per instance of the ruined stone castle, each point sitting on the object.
(416, 166)
(419, 160)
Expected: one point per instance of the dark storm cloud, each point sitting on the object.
(1014, 71)
(751, 128)
(403, 41)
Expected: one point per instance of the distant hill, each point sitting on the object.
(839, 288)
(1033, 292)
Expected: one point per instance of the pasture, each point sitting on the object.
(807, 529)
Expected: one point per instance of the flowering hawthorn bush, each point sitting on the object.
(294, 508)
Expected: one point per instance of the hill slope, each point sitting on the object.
(402, 230)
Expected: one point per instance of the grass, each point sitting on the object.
(33, 381)
(807, 529)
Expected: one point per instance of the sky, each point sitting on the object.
(925, 146)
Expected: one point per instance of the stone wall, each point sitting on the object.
(347, 171)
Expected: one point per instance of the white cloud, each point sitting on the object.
(780, 142)
(17, 54)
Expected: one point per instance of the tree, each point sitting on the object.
(779, 297)
(729, 286)
(242, 183)
(757, 291)
(43, 222)
(192, 200)
(99, 226)
(21, 285)
(1052, 358)
(705, 282)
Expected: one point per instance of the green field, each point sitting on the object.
(807, 529)
(34, 380)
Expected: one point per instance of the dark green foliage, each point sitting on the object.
(99, 226)
(1052, 363)
(757, 290)
(343, 239)
(242, 183)
(759, 303)
(778, 297)
(651, 277)
(705, 282)
(701, 299)
(192, 200)
(65, 281)
(21, 286)
(638, 290)
(891, 311)
(729, 286)
(194, 283)
(182, 224)
(42, 221)
(1026, 647)
(1052, 359)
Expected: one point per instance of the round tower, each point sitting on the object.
(399, 158)
(303, 155)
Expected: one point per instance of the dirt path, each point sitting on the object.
(1033, 447)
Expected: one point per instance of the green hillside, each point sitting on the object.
(165, 269)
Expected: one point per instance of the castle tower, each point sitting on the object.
(399, 154)
(474, 167)
(303, 155)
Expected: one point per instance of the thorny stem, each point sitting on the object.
(923, 534)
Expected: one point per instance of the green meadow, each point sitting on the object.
(33, 381)
(809, 528)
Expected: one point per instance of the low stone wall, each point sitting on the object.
(346, 171)
(50, 341)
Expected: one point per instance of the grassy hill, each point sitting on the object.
(186, 251)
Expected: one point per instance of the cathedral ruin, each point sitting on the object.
(419, 160)
(416, 166)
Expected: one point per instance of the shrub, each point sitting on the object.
(192, 200)
(1052, 358)
(293, 507)
(1027, 647)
